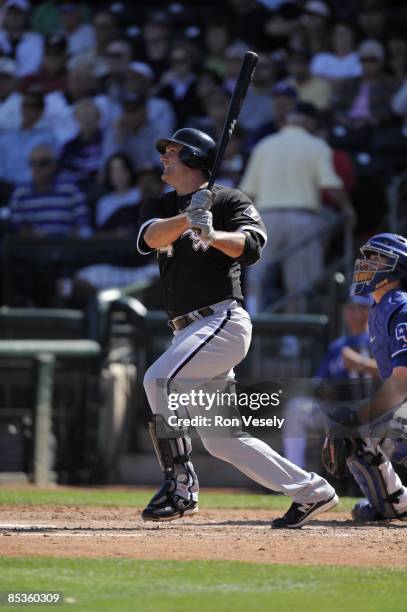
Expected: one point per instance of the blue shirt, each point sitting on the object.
(388, 331)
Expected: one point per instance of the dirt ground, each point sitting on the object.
(243, 535)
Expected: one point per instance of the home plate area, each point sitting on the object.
(66, 531)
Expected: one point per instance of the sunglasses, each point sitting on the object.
(41, 163)
(369, 60)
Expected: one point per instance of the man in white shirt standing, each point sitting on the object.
(284, 176)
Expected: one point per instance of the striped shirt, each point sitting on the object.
(62, 210)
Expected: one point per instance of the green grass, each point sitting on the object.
(200, 586)
(137, 498)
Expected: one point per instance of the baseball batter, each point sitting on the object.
(202, 240)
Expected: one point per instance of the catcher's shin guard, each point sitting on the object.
(173, 450)
(369, 470)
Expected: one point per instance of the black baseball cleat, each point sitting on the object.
(299, 514)
(167, 506)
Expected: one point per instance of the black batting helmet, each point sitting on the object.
(198, 150)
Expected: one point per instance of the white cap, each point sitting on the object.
(8, 66)
(142, 68)
(318, 8)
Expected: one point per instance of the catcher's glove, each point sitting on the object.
(335, 452)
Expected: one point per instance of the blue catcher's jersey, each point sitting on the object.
(388, 331)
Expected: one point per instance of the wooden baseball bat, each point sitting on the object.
(243, 80)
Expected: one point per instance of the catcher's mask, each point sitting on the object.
(198, 149)
(384, 260)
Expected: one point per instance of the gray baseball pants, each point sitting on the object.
(206, 352)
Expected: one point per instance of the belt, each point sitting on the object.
(183, 321)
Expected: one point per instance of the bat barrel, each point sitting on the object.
(236, 102)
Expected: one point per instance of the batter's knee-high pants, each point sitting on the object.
(207, 350)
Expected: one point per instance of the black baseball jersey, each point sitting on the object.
(193, 273)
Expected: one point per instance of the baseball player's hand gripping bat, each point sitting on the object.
(239, 94)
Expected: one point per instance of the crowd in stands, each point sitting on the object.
(86, 89)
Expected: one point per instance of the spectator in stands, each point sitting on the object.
(178, 84)
(10, 98)
(118, 55)
(15, 145)
(283, 24)
(117, 215)
(310, 88)
(397, 54)
(315, 22)
(372, 19)
(216, 38)
(365, 101)
(207, 82)
(234, 55)
(48, 206)
(342, 62)
(106, 31)
(46, 20)
(213, 118)
(284, 99)
(82, 83)
(17, 42)
(140, 79)
(156, 36)
(291, 208)
(81, 157)
(257, 108)
(52, 75)
(118, 210)
(80, 35)
(348, 361)
(231, 168)
(247, 20)
(133, 134)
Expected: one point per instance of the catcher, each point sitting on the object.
(365, 439)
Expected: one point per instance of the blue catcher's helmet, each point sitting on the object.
(384, 260)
